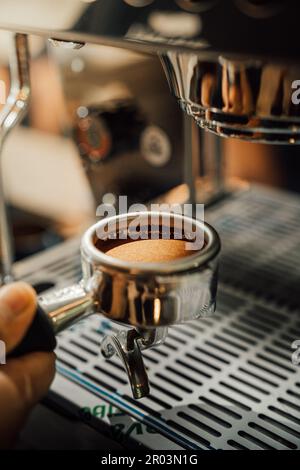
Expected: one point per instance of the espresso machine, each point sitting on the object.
(221, 379)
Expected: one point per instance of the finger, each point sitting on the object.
(23, 382)
(17, 309)
(30, 375)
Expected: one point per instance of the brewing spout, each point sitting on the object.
(128, 345)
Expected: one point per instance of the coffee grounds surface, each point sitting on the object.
(150, 251)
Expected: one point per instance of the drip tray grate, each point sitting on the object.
(223, 382)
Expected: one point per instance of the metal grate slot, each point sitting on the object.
(210, 416)
(288, 338)
(177, 338)
(149, 410)
(272, 436)
(279, 425)
(71, 353)
(245, 330)
(116, 378)
(231, 400)
(160, 403)
(237, 335)
(279, 354)
(241, 391)
(150, 358)
(169, 345)
(83, 348)
(258, 378)
(191, 369)
(171, 381)
(284, 414)
(293, 394)
(199, 424)
(289, 404)
(208, 366)
(229, 342)
(236, 445)
(263, 321)
(249, 384)
(219, 408)
(193, 435)
(281, 345)
(117, 366)
(265, 369)
(159, 352)
(99, 382)
(212, 356)
(177, 372)
(67, 363)
(258, 328)
(273, 362)
(254, 440)
(165, 392)
(91, 340)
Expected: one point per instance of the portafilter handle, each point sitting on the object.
(57, 310)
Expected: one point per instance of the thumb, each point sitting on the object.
(17, 309)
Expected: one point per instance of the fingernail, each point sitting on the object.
(14, 298)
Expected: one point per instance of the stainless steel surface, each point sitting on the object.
(191, 158)
(66, 306)
(12, 113)
(236, 85)
(248, 99)
(202, 25)
(226, 381)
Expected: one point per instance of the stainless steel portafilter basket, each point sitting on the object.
(146, 297)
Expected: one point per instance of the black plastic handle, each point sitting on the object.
(39, 337)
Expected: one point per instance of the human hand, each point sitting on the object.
(23, 380)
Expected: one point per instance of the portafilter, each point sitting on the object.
(145, 297)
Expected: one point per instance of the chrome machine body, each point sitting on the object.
(231, 65)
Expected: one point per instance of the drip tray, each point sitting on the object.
(226, 381)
